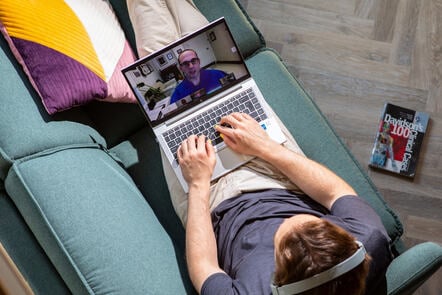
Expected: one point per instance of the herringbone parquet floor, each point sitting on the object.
(354, 55)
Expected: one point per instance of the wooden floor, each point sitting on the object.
(354, 55)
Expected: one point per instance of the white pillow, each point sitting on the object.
(159, 22)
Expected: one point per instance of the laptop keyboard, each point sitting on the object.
(204, 123)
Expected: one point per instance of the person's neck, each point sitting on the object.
(195, 81)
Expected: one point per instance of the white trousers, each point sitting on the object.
(157, 23)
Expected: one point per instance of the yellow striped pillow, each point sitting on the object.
(71, 50)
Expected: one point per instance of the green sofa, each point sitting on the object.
(84, 207)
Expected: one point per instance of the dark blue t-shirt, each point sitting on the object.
(209, 80)
(245, 226)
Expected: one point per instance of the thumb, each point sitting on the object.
(228, 141)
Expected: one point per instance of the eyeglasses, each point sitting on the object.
(187, 63)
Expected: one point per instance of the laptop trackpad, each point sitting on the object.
(228, 160)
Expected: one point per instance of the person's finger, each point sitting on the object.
(224, 131)
(229, 141)
(230, 120)
(240, 116)
(200, 142)
(183, 150)
(246, 116)
(179, 153)
(210, 149)
(191, 142)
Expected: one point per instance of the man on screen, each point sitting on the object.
(196, 80)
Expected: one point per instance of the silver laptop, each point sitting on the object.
(177, 108)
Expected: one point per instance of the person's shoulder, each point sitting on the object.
(357, 214)
(354, 208)
(217, 283)
(215, 72)
(347, 201)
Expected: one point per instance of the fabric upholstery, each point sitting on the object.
(93, 223)
(25, 126)
(140, 155)
(72, 51)
(112, 230)
(247, 36)
(410, 270)
(25, 251)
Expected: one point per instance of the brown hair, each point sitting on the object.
(316, 246)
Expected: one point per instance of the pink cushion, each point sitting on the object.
(72, 53)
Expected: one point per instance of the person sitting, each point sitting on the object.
(274, 223)
(280, 214)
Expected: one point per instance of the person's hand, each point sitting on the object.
(244, 135)
(196, 157)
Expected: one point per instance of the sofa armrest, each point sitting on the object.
(413, 267)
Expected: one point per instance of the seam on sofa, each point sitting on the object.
(95, 145)
(5, 164)
(398, 224)
(60, 148)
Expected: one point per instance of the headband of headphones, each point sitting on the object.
(322, 277)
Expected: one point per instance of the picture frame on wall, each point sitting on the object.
(161, 60)
(144, 69)
(212, 36)
(178, 50)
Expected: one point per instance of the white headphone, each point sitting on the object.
(322, 277)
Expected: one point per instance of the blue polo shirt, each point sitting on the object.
(209, 80)
(245, 226)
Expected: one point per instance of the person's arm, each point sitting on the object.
(197, 161)
(246, 136)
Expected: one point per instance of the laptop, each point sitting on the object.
(176, 108)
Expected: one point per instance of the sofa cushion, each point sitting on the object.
(25, 251)
(141, 157)
(94, 224)
(314, 134)
(71, 51)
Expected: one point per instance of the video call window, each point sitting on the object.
(155, 79)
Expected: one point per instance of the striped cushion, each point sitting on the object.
(71, 50)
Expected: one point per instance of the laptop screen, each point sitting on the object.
(186, 72)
